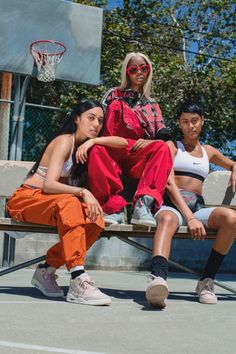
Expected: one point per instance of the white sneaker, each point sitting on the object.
(44, 279)
(115, 218)
(83, 291)
(205, 291)
(157, 292)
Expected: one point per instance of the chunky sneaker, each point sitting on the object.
(157, 292)
(83, 291)
(205, 291)
(114, 219)
(44, 279)
(142, 214)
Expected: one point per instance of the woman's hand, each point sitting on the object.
(140, 144)
(197, 229)
(94, 209)
(81, 154)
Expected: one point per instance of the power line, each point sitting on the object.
(194, 31)
(206, 41)
(171, 48)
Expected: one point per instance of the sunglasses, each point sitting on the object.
(144, 68)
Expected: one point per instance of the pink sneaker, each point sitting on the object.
(44, 279)
(83, 291)
(205, 291)
(157, 292)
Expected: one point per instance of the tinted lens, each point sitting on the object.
(132, 70)
(144, 69)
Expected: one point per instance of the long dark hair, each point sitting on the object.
(69, 126)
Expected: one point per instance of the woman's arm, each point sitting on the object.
(108, 141)
(196, 227)
(52, 185)
(217, 158)
(55, 159)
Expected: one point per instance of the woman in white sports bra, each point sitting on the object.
(184, 205)
(47, 198)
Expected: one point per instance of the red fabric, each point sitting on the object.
(77, 233)
(151, 165)
(122, 121)
(135, 111)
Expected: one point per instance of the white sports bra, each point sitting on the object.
(67, 166)
(188, 165)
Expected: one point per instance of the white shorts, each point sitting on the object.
(201, 215)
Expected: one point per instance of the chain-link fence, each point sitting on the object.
(40, 124)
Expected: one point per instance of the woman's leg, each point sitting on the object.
(224, 220)
(67, 213)
(151, 165)
(104, 174)
(167, 223)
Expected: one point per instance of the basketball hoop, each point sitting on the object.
(47, 55)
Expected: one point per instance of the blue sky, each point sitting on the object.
(115, 3)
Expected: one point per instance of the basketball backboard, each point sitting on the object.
(77, 26)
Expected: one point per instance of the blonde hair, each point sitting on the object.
(125, 82)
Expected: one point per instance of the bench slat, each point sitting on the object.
(125, 230)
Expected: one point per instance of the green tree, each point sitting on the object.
(191, 45)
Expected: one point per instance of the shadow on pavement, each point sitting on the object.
(29, 292)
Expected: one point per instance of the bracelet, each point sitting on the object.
(81, 193)
(190, 219)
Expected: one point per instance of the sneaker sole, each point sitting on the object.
(208, 302)
(81, 301)
(110, 222)
(157, 295)
(143, 222)
(38, 286)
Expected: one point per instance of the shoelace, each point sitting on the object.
(87, 283)
(208, 286)
(52, 278)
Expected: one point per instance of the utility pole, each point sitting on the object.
(5, 107)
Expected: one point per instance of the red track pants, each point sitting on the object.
(151, 165)
(77, 233)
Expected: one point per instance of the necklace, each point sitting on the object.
(192, 147)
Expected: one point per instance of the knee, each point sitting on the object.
(229, 221)
(232, 222)
(161, 147)
(167, 219)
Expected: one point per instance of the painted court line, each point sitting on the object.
(43, 348)
(32, 302)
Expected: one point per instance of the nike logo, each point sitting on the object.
(197, 163)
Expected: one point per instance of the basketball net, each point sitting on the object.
(47, 55)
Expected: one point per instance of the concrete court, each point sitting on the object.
(31, 323)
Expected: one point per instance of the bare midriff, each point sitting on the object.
(189, 184)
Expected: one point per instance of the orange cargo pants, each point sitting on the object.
(76, 232)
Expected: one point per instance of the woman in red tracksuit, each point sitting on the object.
(132, 114)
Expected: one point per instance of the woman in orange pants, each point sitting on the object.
(47, 198)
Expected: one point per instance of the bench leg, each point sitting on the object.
(22, 265)
(8, 254)
(175, 264)
(5, 252)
